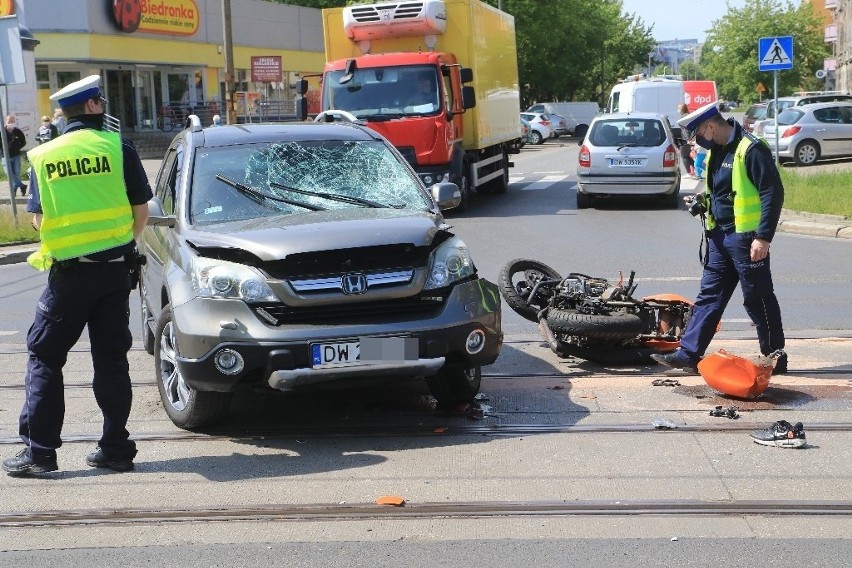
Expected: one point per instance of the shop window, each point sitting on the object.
(64, 78)
(42, 77)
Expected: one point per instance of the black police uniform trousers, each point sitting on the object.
(729, 263)
(77, 294)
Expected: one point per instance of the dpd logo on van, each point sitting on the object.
(699, 100)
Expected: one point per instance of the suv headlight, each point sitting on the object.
(450, 263)
(213, 278)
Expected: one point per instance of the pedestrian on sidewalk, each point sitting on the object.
(685, 146)
(89, 197)
(742, 200)
(16, 140)
(47, 131)
(59, 120)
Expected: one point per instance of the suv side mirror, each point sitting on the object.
(157, 217)
(446, 195)
(580, 131)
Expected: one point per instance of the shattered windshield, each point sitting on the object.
(233, 183)
(385, 92)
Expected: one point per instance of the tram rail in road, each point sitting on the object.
(469, 509)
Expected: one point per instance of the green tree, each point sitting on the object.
(730, 54)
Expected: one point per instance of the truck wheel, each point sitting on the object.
(500, 184)
(615, 326)
(454, 384)
(516, 282)
(187, 408)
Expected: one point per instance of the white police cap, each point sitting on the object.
(693, 120)
(78, 91)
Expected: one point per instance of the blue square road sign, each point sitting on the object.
(775, 53)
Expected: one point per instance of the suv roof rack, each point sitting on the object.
(810, 93)
(193, 123)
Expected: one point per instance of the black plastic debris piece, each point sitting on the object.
(730, 412)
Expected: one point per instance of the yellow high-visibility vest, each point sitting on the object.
(83, 196)
(746, 196)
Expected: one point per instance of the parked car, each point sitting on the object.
(576, 113)
(541, 128)
(755, 112)
(526, 130)
(798, 99)
(628, 154)
(811, 132)
(558, 124)
(283, 256)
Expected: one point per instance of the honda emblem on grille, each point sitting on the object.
(354, 283)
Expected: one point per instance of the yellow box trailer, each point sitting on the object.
(458, 56)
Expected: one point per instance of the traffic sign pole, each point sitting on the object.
(775, 54)
(777, 134)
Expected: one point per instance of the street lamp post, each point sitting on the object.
(230, 102)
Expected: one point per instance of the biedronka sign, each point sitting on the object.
(174, 17)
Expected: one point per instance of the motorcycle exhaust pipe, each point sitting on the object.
(551, 340)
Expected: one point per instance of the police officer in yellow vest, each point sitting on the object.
(89, 195)
(743, 199)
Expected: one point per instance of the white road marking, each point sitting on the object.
(8, 332)
(544, 183)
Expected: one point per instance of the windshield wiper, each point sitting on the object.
(627, 145)
(332, 196)
(262, 197)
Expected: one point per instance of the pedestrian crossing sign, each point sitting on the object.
(775, 53)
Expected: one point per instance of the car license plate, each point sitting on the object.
(365, 351)
(627, 162)
(333, 354)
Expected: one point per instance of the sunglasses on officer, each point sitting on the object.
(100, 98)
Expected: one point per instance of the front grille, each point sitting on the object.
(335, 262)
(420, 305)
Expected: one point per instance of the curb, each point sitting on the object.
(17, 255)
(814, 224)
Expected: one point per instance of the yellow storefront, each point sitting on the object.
(163, 59)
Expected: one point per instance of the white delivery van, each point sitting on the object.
(575, 113)
(636, 94)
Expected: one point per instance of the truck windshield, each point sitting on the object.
(384, 93)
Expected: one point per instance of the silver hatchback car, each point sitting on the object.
(811, 132)
(628, 154)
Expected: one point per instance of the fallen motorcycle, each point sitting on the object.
(590, 318)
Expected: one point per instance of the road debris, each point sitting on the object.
(729, 412)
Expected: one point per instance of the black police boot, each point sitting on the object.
(780, 367)
(23, 464)
(99, 459)
(676, 360)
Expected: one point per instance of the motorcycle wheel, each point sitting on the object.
(616, 326)
(516, 293)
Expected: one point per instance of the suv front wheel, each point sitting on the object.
(454, 384)
(188, 408)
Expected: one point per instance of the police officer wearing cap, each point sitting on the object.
(89, 195)
(743, 198)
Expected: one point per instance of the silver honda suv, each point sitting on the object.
(283, 256)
